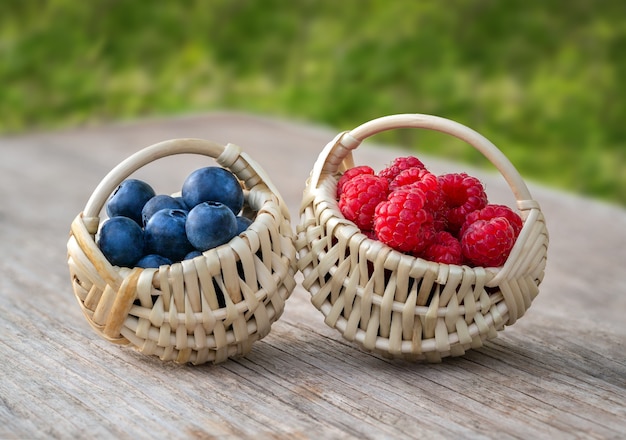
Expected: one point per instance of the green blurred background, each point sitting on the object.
(544, 80)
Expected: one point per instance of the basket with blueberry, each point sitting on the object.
(194, 276)
(412, 264)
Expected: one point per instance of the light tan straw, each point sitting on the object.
(398, 305)
(173, 311)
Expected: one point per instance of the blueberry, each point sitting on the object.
(158, 202)
(129, 199)
(153, 260)
(210, 224)
(242, 224)
(165, 234)
(191, 255)
(213, 184)
(121, 241)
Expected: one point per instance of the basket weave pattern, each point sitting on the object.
(173, 311)
(397, 305)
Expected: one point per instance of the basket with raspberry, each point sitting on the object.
(411, 264)
(192, 279)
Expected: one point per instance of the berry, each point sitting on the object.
(491, 211)
(242, 224)
(445, 219)
(121, 241)
(153, 260)
(400, 164)
(210, 224)
(191, 255)
(159, 202)
(213, 184)
(410, 176)
(426, 181)
(488, 242)
(370, 234)
(445, 249)
(349, 174)
(165, 234)
(462, 194)
(129, 199)
(359, 198)
(404, 222)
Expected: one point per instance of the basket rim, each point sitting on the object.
(84, 226)
(531, 213)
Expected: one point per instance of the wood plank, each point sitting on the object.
(560, 372)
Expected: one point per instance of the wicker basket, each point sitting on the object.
(407, 307)
(173, 311)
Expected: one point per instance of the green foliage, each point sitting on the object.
(542, 79)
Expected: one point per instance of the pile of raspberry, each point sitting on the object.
(444, 218)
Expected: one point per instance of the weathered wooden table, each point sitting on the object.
(560, 372)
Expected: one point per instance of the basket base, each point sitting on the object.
(435, 349)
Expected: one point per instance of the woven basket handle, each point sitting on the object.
(339, 149)
(247, 170)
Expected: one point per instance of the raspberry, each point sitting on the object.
(491, 211)
(400, 164)
(404, 222)
(349, 174)
(462, 194)
(445, 248)
(410, 176)
(426, 181)
(488, 242)
(359, 198)
(370, 234)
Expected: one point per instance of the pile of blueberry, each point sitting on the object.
(149, 230)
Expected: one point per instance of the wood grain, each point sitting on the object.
(559, 372)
